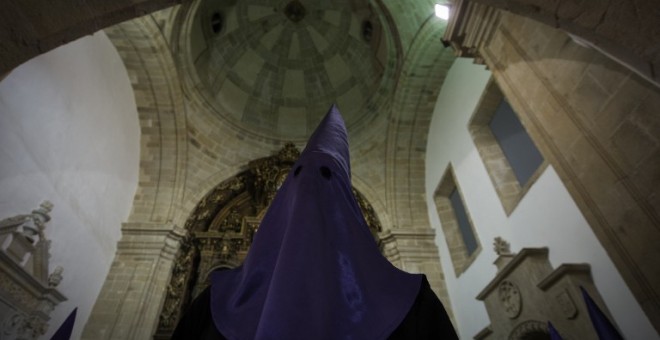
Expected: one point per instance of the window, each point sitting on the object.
(457, 227)
(517, 146)
(464, 225)
(511, 158)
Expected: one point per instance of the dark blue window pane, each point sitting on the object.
(516, 144)
(463, 222)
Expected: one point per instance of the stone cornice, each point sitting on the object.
(469, 28)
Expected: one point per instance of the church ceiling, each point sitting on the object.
(272, 68)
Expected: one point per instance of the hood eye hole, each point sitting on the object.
(297, 171)
(325, 172)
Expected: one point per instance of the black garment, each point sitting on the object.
(427, 319)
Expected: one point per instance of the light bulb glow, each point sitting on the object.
(442, 12)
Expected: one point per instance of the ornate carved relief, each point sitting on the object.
(222, 226)
(509, 296)
(177, 285)
(24, 326)
(15, 294)
(566, 304)
(27, 291)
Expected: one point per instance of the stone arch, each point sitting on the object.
(530, 330)
(159, 100)
(423, 73)
(30, 29)
(27, 33)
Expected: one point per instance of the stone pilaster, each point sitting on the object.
(414, 251)
(129, 304)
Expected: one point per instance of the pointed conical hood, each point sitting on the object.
(331, 138)
(65, 330)
(603, 326)
(314, 270)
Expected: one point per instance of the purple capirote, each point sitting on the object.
(314, 270)
(66, 328)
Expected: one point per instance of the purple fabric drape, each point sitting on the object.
(554, 334)
(603, 326)
(314, 270)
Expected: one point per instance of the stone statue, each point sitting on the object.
(55, 277)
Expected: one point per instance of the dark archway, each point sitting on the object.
(530, 330)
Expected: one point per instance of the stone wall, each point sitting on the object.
(547, 215)
(595, 121)
(626, 30)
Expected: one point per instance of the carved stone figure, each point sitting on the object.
(501, 246)
(56, 277)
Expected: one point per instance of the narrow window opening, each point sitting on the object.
(217, 22)
(463, 222)
(367, 30)
(517, 146)
(461, 237)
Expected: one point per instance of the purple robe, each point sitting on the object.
(314, 270)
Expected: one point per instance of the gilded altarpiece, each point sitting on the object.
(222, 226)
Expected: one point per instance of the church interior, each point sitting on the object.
(509, 150)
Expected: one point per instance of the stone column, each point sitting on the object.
(131, 298)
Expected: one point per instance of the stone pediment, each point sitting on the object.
(527, 292)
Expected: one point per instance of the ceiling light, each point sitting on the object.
(442, 12)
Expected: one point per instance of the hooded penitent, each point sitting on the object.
(314, 270)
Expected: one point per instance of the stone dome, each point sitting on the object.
(272, 68)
